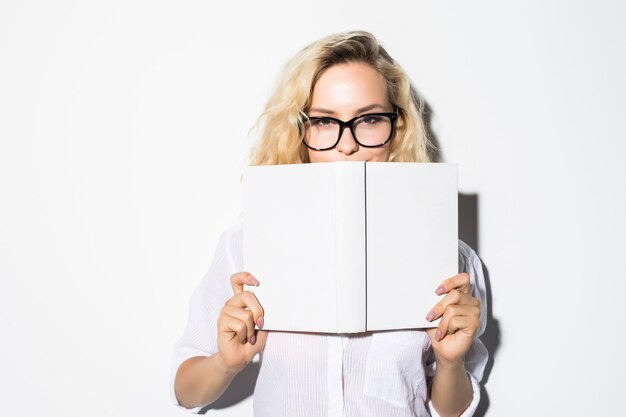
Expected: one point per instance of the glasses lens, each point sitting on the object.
(321, 133)
(372, 130)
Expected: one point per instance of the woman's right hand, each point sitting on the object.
(237, 340)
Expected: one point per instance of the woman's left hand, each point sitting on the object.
(460, 319)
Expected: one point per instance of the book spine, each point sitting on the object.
(350, 246)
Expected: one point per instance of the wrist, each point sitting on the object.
(450, 365)
(222, 367)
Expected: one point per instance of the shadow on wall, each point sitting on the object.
(468, 232)
(491, 340)
(241, 388)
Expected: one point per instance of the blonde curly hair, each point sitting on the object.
(281, 123)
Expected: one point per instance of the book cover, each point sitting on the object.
(345, 247)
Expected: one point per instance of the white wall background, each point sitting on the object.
(123, 130)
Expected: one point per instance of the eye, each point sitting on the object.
(371, 120)
(321, 122)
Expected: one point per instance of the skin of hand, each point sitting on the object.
(451, 389)
(201, 380)
(460, 320)
(237, 339)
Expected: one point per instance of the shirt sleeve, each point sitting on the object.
(200, 336)
(476, 357)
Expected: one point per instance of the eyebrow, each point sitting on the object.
(361, 110)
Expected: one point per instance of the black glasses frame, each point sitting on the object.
(393, 116)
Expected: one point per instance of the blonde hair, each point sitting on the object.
(281, 123)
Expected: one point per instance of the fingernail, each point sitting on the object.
(253, 340)
(437, 335)
(431, 316)
(252, 280)
(440, 290)
(260, 323)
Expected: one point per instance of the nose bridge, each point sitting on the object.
(341, 136)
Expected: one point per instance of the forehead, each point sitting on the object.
(349, 85)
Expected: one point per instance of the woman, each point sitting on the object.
(329, 97)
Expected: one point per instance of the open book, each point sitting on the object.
(344, 247)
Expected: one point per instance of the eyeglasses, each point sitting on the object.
(369, 130)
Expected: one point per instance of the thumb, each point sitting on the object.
(261, 338)
(431, 334)
(259, 345)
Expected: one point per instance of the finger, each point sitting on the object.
(236, 328)
(442, 329)
(238, 280)
(459, 282)
(260, 338)
(458, 317)
(453, 297)
(243, 315)
(248, 300)
(464, 324)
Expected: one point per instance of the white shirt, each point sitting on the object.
(301, 374)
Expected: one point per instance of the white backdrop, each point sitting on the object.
(124, 127)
